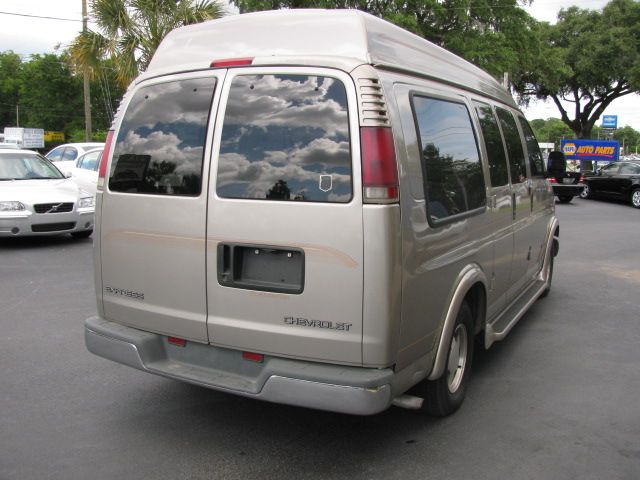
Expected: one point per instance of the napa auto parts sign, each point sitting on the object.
(596, 150)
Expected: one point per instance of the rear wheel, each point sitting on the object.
(585, 193)
(444, 396)
(565, 198)
(635, 198)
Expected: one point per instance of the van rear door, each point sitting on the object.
(153, 215)
(284, 221)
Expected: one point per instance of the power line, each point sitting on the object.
(40, 16)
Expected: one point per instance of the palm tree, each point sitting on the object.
(131, 30)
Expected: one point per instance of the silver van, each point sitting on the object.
(320, 209)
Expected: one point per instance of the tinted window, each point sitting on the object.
(89, 161)
(536, 162)
(498, 170)
(54, 155)
(450, 161)
(610, 168)
(514, 146)
(70, 153)
(160, 145)
(629, 169)
(285, 137)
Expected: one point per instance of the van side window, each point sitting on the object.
(160, 146)
(451, 167)
(497, 159)
(514, 146)
(535, 156)
(286, 138)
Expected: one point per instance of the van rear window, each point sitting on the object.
(286, 138)
(160, 145)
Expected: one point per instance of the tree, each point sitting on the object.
(49, 94)
(10, 75)
(496, 35)
(589, 59)
(131, 30)
(551, 130)
(629, 137)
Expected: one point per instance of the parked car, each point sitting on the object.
(617, 180)
(85, 172)
(64, 156)
(37, 199)
(324, 223)
(566, 185)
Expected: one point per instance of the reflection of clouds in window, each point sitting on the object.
(256, 178)
(276, 101)
(321, 151)
(283, 133)
(174, 102)
(164, 147)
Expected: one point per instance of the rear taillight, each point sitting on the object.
(552, 180)
(581, 179)
(379, 168)
(102, 171)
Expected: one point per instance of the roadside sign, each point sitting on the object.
(609, 121)
(596, 150)
(54, 136)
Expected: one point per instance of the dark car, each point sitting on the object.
(616, 180)
(566, 185)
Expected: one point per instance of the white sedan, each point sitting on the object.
(64, 156)
(37, 199)
(85, 173)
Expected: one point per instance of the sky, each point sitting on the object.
(27, 35)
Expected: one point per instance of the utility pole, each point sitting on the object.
(17, 115)
(87, 93)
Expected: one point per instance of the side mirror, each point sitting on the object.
(67, 174)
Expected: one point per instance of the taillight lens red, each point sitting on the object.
(231, 62)
(180, 342)
(253, 357)
(102, 171)
(552, 180)
(581, 179)
(379, 168)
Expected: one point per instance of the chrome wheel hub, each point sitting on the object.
(457, 358)
(635, 198)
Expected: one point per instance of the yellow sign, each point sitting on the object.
(54, 136)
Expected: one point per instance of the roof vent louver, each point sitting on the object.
(373, 107)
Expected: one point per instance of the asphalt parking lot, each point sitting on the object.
(558, 399)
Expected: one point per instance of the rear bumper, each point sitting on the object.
(566, 190)
(352, 390)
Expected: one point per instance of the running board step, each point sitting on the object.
(499, 329)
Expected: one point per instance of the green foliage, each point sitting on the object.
(131, 30)
(628, 137)
(49, 94)
(10, 72)
(588, 58)
(551, 130)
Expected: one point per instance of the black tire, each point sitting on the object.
(586, 192)
(548, 289)
(444, 396)
(635, 198)
(84, 234)
(565, 198)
